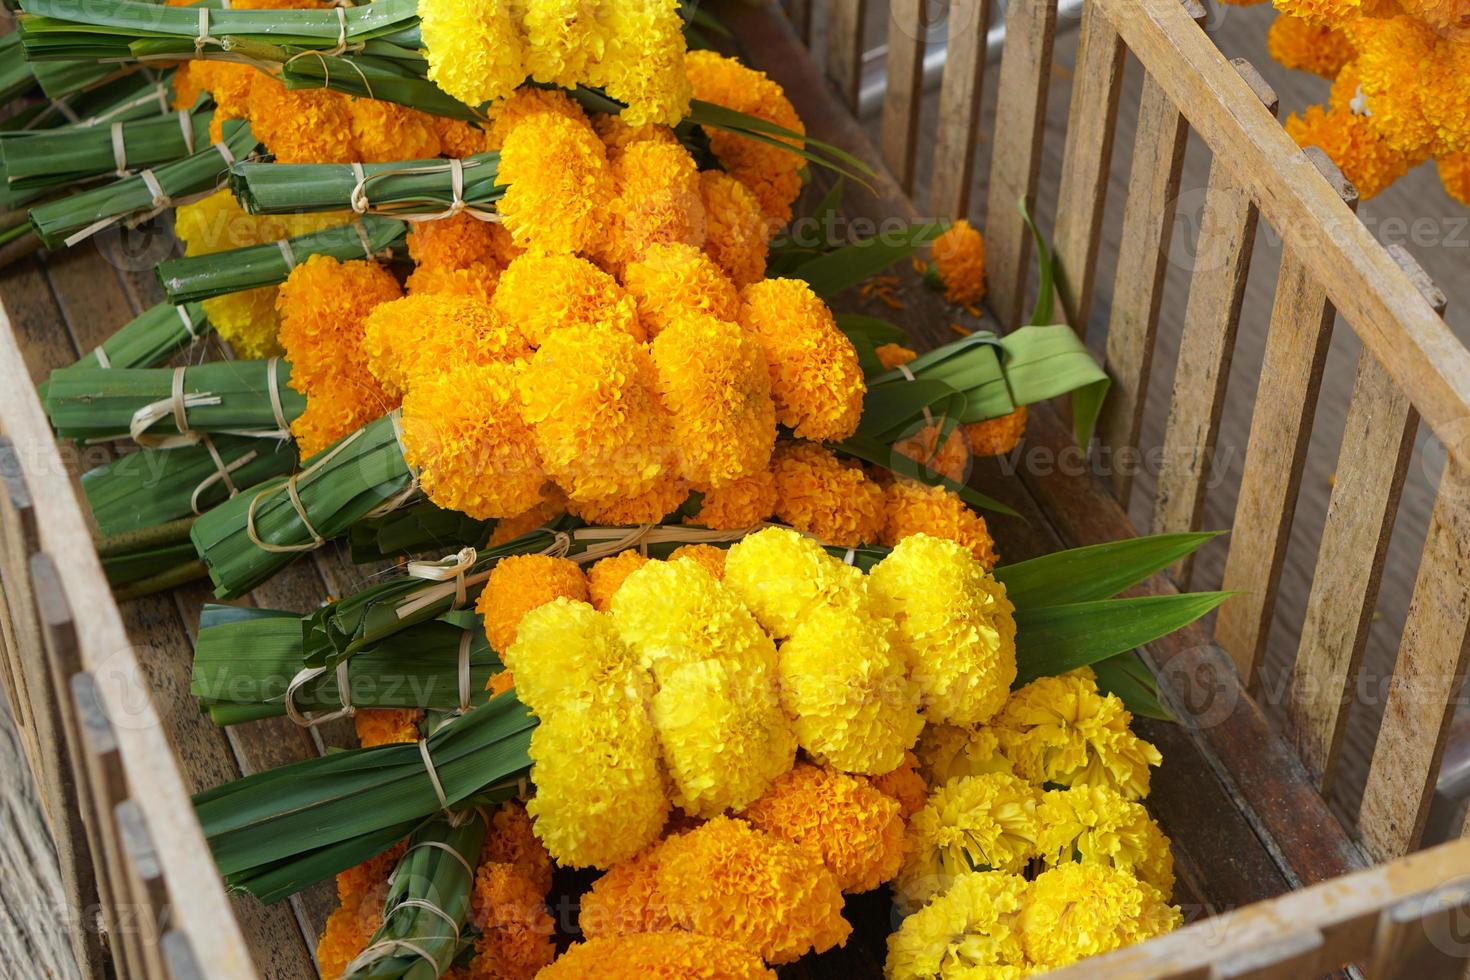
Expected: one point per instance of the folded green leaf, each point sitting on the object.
(33, 160)
(1098, 571)
(845, 267)
(400, 188)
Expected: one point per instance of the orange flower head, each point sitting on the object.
(674, 280)
(744, 503)
(914, 508)
(998, 436)
(541, 294)
(521, 583)
(606, 576)
(413, 339)
(821, 495)
(559, 186)
(959, 256)
(735, 227)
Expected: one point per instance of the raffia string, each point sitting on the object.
(344, 695)
(204, 37)
(176, 406)
(903, 369)
(290, 485)
(222, 473)
(287, 252)
(186, 123)
(119, 149)
(189, 325)
(102, 358)
(273, 387)
(446, 569)
(458, 205)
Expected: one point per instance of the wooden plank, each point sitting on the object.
(1290, 380)
(1377, 442)
(1015, 162)
(800, 14)
(1222, 259)
(1092, 122)
(846, 20)
(18, 621)
(1295, 956)
(178, 956)
(146, 880)
(899, 139)
(1422, 938)
(958, 131)
(1426, 679)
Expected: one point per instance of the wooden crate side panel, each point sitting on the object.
(907, 27)
(958, 133)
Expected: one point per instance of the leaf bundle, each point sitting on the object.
(148, 340)
(38, 160)
(418, 187)
(418, 528)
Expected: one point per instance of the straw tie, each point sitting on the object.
(222, 473)
(458, 205)
(454, 567)
(344, 695)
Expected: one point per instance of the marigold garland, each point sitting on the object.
(740, 504)
(412, 339)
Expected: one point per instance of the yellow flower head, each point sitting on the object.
(302, 125)
(849, 691)
(459, 242)
(971, 931)
(658, 956)
(605, 577)
(476, 282)
(905, 785)
(387, 726)
(463, 434)
(734, 227)
(826, 497)
(959, 255)
(711, 558)
(957, 623)
(1075, 911)
(518, 585)
(712, 378)
(815, 376)
(998, 436)
(526, 102)
(1352, 142)
(617, 135)
(385, 131)
(541, 294)
(247, 320)
(1062, 730)
(675, 280)
(856, 829)
(657, 201)
(781, 576)
(559, 185)
(914, 508)
(562, 36)
(727, 879)
(475, 52)
(978, 823)
(949, 752)
(565, 653)
(414, 339)
(738, 505)
(1094, 825)
(591, 395)
(1319, 49)
(668, 493)
(642, 65)
(549, 509)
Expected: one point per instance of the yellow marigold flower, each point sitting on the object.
(626, 900)
(247, 320)
(1316, 48)
(998, 436)
(1075, 911)
(815, 376)
(706, 555)
(772, 173)
(781, 576)
(387, 726)
(950, 460)
(1062, 730)
(605, 577)
(1093, 824)
(727, 879)
(849, 691)
(735, 227)
(591, 395)
(642, 65)
(565, 653)
(824, 496)
(959, 257)
(957, 623)
(463, 434)
(1352, 143)
(413, 339)
(1321, 11)
(977, 823)
(508, 529)
(517, 585)
(658, 956)
(1454, 173)
(971, 931)
(600, 795)
(949, 752)
(511, 841)
(668, 493)
(857, 830)
(458, 138)
(476, 282)
(617, 135)
(712, 378)
(541, 294)
(561, 37)
(905, 785)
(559, 184)
(385, 131)
(657, 202)
(516, 932)
(894, 355)
(914, 508)
(526, 102)
(311, 125)
(475, 51)
(676, 280)
(738, 505)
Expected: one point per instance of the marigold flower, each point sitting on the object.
(815, 376)
(605, 577)
(312, 125)
(463, 435)
(830, 498)
(971, 824)
(642, 65)
(1454, 173)
(1321, 11)
(559, 185)
(950, 460)
(459, 138)
(737, 505)
(997, 436)
(617, 135)
(247, 321)
(735, 227)
(957, 623)
(591, 395)
(567, 654)
(511, 841)
(1411, 81)
(666, 495)
(1075, 911)
(385, 131)
(477, 282)
(361, 891)
(657, 201)
(541, 294)
(707, 555)
(894, 355)
(455, 243)
(949, 752)
(1062, 730)
(782, 576)
(727, 879)
(1317, 48)
(475, 51)
(1352, 143)
(517, 585)
(972, 930)
(857, 830)
(228, 83)
(553, 506)
(412, 339)
(516, 932)
(959, 257)
(387, 726)
(914, 508)
(905, 785)
(1093, 824)
(561, 37)
(334, 414)
(526, 102)
(626, 900)
(658, 956)
(675, 280)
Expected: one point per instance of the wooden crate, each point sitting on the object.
(101, 690)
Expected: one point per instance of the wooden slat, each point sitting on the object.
(178, 956)
(145, 878)
(1222, 259)
(800, 12)
(1426, 680)
(18, 623)
(1291, 958)
(1015, 163)
(1091, 124)
(1290, 381)
(958, 132)
(1423, 939)
(1138, 290)
(845, 22)
(899, 139)
(1377, 442)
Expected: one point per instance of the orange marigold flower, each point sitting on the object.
(617, 135)
(387, 726)
(324, 306)
(1352, 143)
(651, 506)
(915, 508)
(529, 101)
(729, 880)
(657, 201)
(676, 279)
(414, 338)
(520, 583)
(606, 576)
(500, 683)
(516, 932)
(228, 83)
(312, 125)
(626, 899)
(1454, 173)
(453, 243)
(741, 504)
(998, 436)
(458, 138)
(658, 956)
(511, 841)
(816, 380)
(905, 785)
(1401, 70)
(477, 282)
(361, 891)
(826, 497)
(330, 415)
(950, 460)
(463, 433)
(959, 257)
(1319, 49)
(893, 355)
(734, 227)
(559, 184)
(707, 555)
(855, 829)
(552, 507)
(541, 294)
(385, 131)
(1321, 11)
